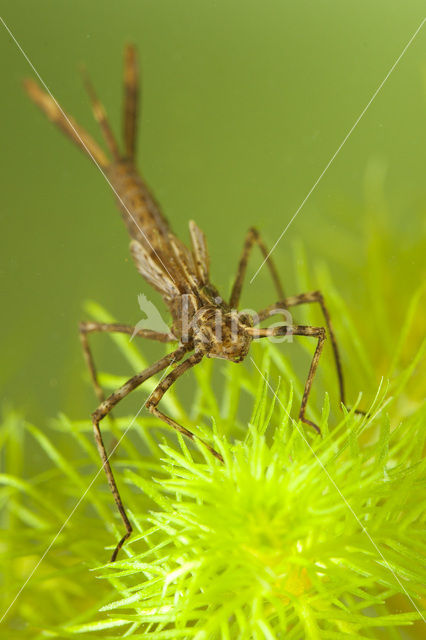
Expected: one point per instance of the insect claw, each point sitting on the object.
(311, 424)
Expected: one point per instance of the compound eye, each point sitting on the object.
(246, 319)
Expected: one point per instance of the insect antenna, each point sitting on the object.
(101, 116)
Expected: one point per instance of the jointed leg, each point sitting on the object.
(103, 410)
(299, 330)
(253, 237)
(165, 384)
(305, 298)
(101, 327)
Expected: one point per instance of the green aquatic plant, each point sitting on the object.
(295, 535)
(289, 538)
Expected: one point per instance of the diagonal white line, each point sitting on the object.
(84, 145)
(341, 144)
(56, 536)
(324, 468)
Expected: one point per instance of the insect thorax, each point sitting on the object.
(214, 329)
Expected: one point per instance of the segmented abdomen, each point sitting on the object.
(141, 213)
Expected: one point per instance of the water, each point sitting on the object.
(244, 103)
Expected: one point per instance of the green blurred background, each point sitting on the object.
(244, 103)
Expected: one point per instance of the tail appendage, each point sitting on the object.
(54, 112)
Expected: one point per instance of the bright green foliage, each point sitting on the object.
(283, 540)
(294, 536)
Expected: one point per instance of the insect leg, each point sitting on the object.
(99, 327)
(105, 407)
(299, 330)
(306, 298)
(252, 238)
(165, 384)
(131, 100)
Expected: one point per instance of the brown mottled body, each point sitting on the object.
(146, 223)
(203, 324)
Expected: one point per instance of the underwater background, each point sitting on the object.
(244, 104)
